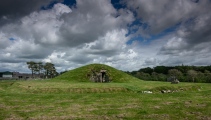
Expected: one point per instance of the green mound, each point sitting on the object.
(82, 74)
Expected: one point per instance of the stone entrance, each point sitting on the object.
(100, 76)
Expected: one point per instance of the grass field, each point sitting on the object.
(54, 99)
(73, 96)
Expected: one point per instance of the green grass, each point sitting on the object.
(80, 74)
(80, 100)
(68, 97)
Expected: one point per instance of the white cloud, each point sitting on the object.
(162, 14)
(69, 38)
(4, 40)
(93, 31)
(174, 46)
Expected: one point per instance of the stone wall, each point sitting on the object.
(99, 76)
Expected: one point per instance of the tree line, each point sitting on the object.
(47, 70)
(182, 73)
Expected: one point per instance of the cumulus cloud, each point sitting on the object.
(4, 40)
(12, 10)
(191, 36)
(174, 46)
(94, 31)
(162, 14)
(68, 36)
(90, 20)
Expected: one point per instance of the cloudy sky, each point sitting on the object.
(125, 34)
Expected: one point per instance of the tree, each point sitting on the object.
(154, 76)
(32, 67)
(200, 77)
(39, 67)
(206, 72)
(146, 70)
(192, 74)
(162, 77)
(162, 69)
(175, 73)
(207, 76)
(50, 70)
(143, 76)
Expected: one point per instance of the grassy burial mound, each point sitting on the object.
(91, 73)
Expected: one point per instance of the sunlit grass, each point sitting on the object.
(73, 96)
(54, 100)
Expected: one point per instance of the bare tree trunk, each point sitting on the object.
(32, 73)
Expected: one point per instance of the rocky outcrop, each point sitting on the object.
(175, 81)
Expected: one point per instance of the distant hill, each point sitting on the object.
(82, 74)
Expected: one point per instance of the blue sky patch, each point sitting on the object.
(146, 40)
(12, 39)
(66, 2)
(117, 4)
